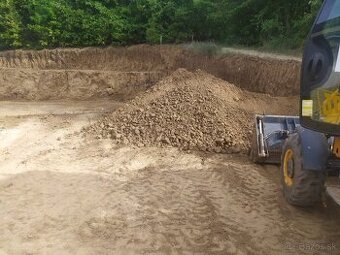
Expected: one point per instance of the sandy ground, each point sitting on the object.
(63, 194)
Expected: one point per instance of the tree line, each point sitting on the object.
(78, 23)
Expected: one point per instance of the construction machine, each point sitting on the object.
(308, 146)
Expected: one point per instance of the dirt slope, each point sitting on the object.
(72, 84)
(112, 72)
(121, 59)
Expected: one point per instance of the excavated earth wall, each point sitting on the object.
(124, 72)
(34, 84)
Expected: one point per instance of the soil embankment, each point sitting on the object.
(122, 73)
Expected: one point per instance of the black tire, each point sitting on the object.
(254, 154)
(301, 187)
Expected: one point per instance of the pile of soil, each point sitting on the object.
(191, 111)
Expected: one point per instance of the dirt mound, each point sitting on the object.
(190, 111)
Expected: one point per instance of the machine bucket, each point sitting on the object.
(270, 134)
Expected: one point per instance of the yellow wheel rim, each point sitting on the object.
(287, 167)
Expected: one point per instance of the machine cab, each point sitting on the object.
(320, 77)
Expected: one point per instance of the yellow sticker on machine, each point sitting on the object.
(307, 108)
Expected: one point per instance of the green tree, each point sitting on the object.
(76, 23)
(170, 21)
(10, 26)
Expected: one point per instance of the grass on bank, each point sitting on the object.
(216, 49)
